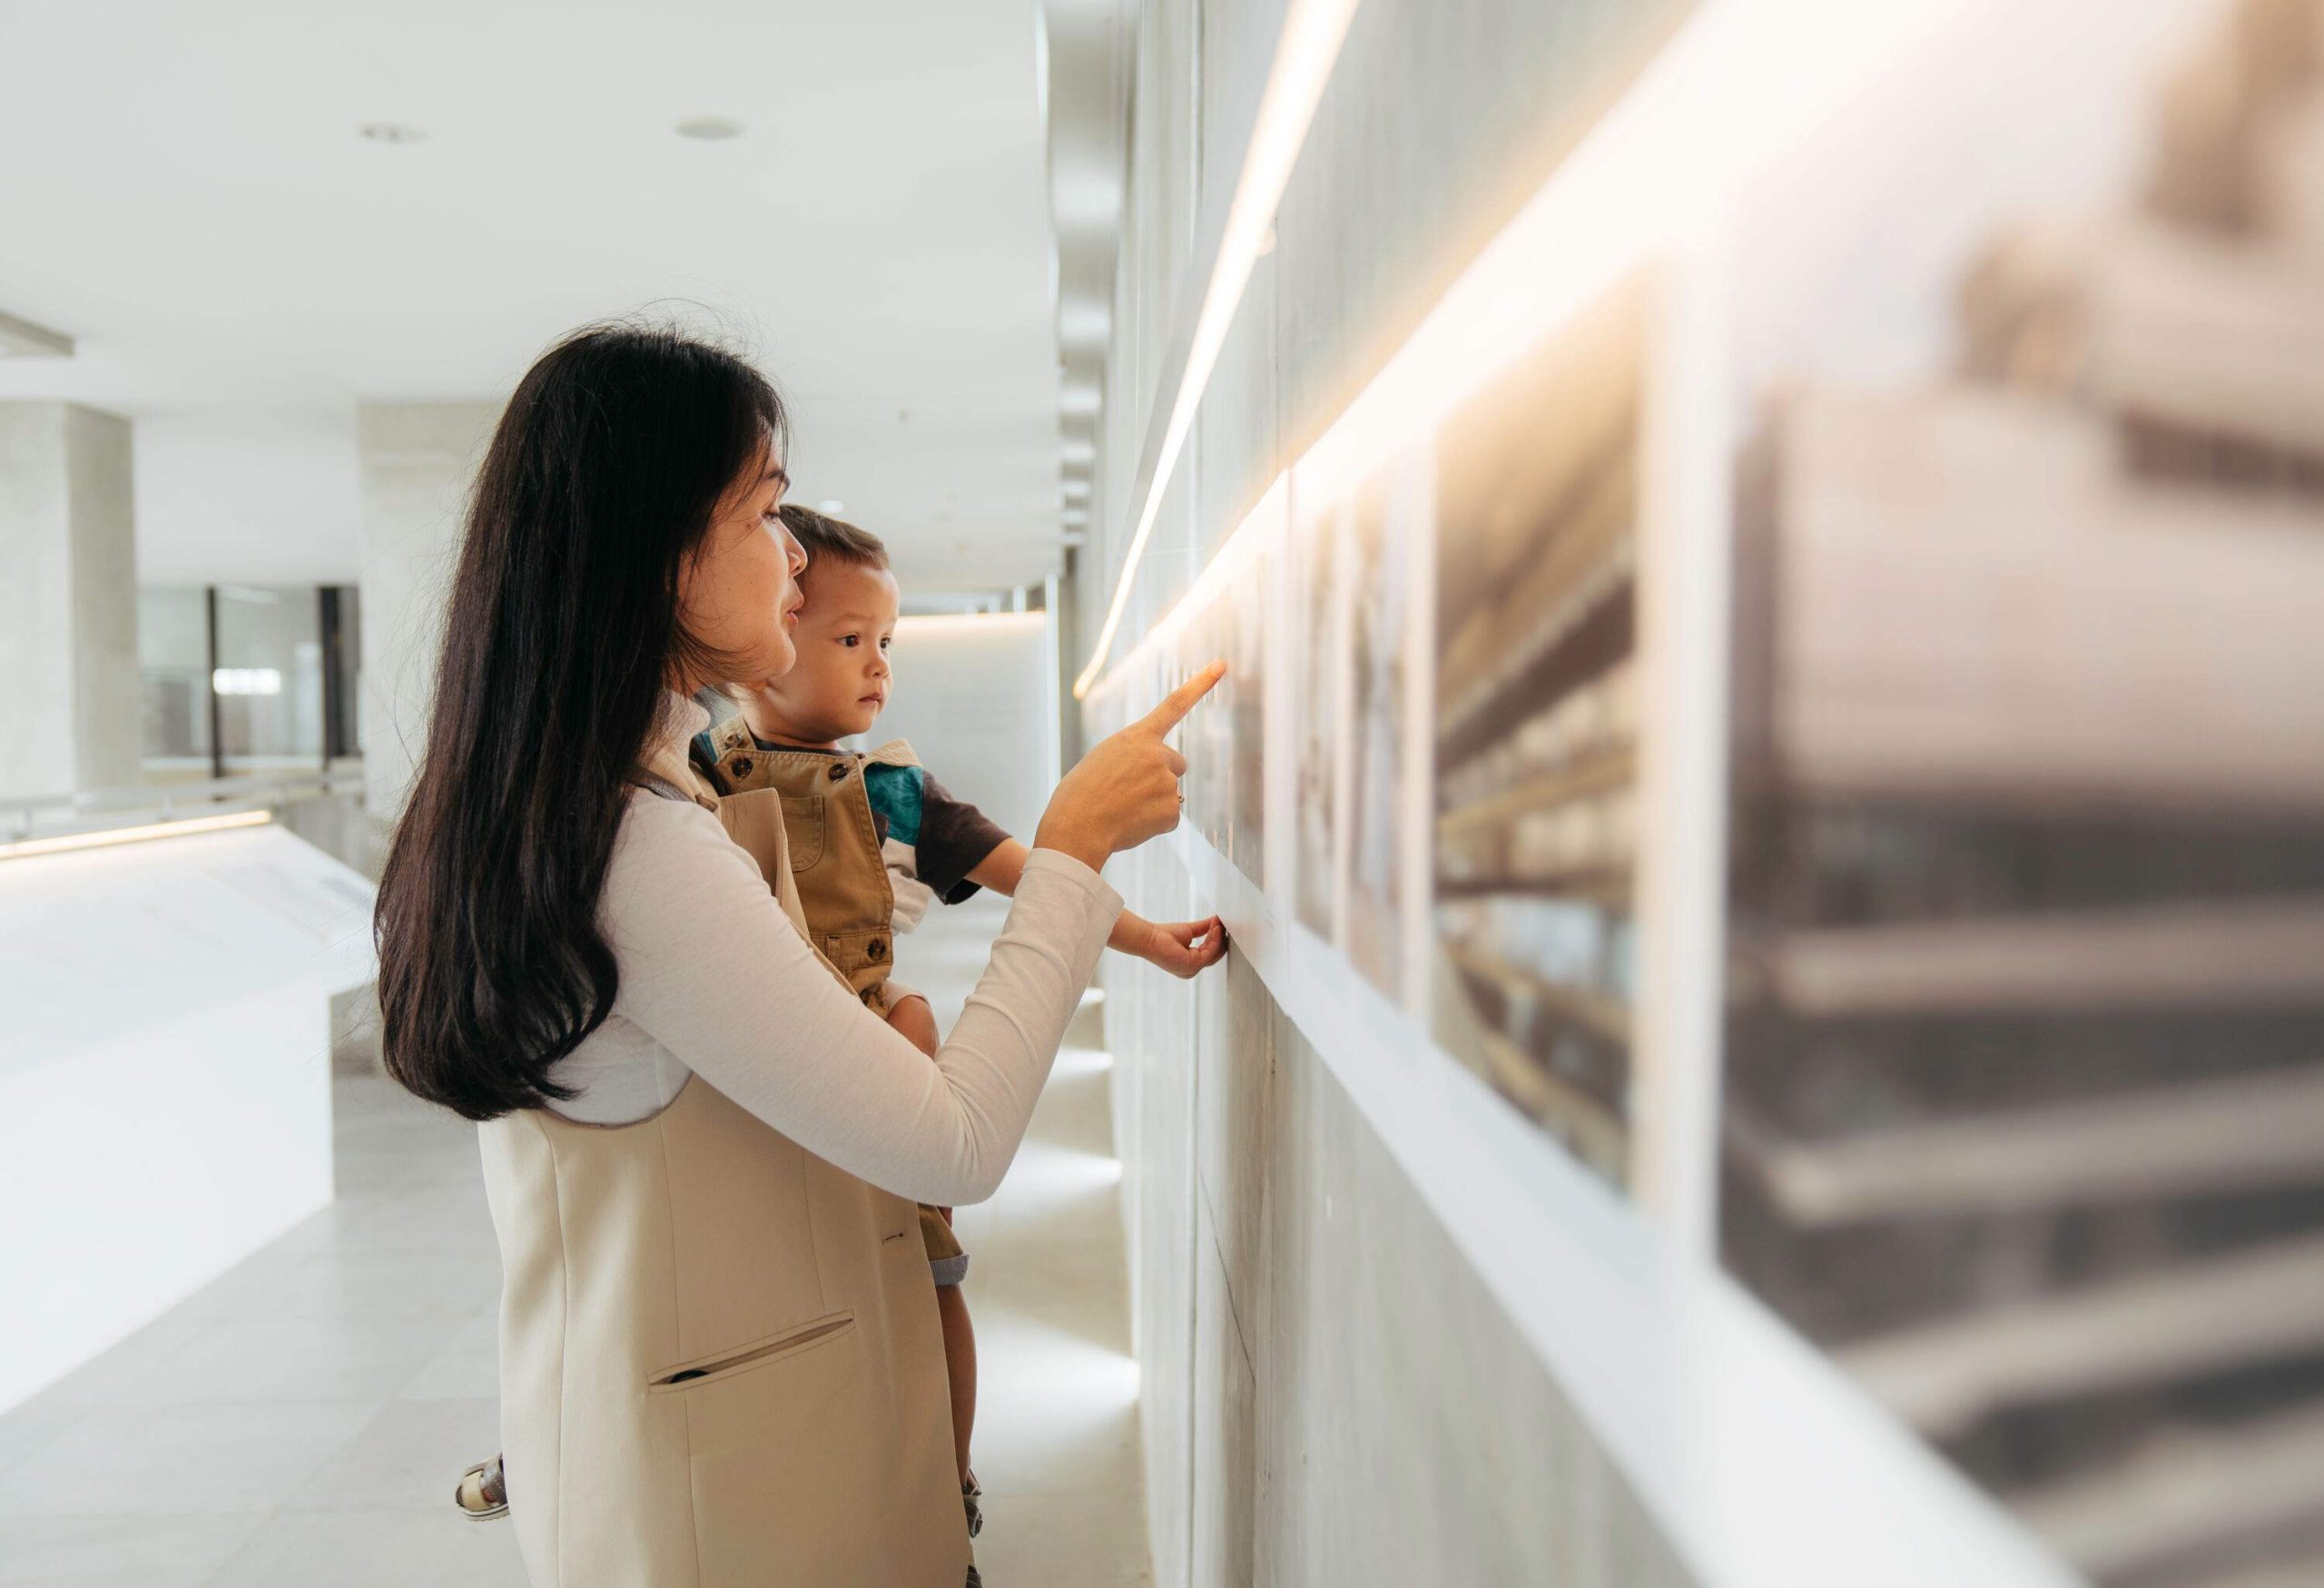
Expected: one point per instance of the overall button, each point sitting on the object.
(876, 949)
(839, 770)
(742, 766)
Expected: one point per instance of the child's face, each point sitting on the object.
(839, 683)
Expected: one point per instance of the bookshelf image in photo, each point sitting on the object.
(1251, 604)
(1318, 625)
(1536, 733)
(2024, 1067)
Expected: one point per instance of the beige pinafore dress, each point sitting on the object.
(720, 1359)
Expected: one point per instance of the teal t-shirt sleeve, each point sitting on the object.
(950, 837)
(897, 798)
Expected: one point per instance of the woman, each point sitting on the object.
(720, 1357)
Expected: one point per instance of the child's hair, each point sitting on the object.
(833, 540)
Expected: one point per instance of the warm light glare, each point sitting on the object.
(1304, 59)
(63, 842)
(1763, 72)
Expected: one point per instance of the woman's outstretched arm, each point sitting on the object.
(713, 969)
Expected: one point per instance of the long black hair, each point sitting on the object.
(605, 472)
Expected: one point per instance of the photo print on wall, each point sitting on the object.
(1318, 689)
(1373, 555)
(1250, 600)
(2023, 1083)
(1536, 729)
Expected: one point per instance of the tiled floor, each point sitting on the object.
(300, 1421)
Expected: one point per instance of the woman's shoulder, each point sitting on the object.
(660, 833)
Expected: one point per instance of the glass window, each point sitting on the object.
(269, 677)
(173, 664)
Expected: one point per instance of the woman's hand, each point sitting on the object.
(1126, 790)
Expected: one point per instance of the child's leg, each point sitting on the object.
(912, 1016)
(961, 1368)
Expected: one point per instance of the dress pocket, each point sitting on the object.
(792, 1458)
(712, 1370)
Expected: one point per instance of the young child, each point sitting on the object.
(874, 838)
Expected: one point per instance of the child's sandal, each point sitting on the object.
(483, 1492)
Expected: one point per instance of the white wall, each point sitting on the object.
(248, 497)
(68, 601)
(418, 461)
(977, 696)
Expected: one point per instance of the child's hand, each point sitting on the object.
(913, 1017)
(1182, 947)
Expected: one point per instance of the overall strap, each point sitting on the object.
(664, 787)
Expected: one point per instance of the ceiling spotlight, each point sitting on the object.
(391, 132)
(1074, 491)
(1074, 518)
(1077, 449)
(1079, 397)
(710, 129)
(830, 505)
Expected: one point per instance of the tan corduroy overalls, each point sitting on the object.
(720, 1359)
(841, 877)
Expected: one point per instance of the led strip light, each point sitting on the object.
(1303, 58)
(65, 843)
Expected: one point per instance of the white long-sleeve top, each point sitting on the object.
(717, 982)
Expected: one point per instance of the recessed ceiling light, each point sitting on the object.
(391, 132)
(710, 129)
(830, 505)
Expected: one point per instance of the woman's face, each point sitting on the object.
(738, 595)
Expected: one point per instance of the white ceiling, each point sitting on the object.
(182, 190)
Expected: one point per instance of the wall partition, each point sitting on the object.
(1771, 556)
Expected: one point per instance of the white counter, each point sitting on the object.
(164, 1075)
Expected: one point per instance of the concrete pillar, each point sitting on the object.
(69, 706)
(416, 462)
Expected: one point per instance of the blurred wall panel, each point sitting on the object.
(2025, 1063)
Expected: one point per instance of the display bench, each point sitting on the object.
(165, 1074)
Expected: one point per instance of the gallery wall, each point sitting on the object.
(1771, 556)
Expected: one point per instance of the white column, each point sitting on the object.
(417, 462)
(69, 707)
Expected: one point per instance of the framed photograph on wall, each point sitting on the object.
(2023, 1085)
(1319, 692)
(1536, 729)
(1376, 567)
(1251, 599)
